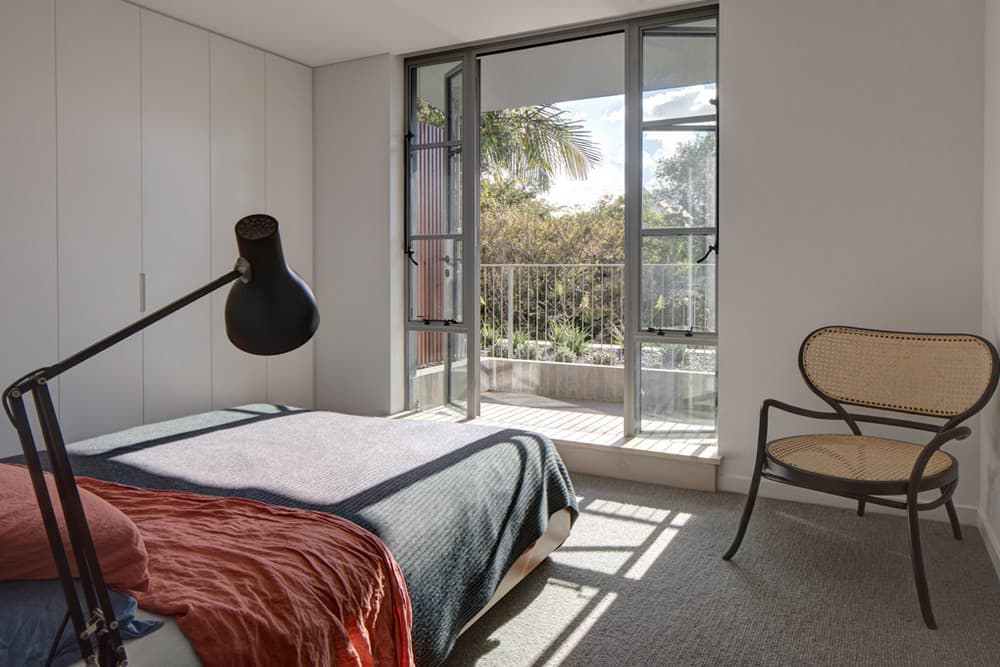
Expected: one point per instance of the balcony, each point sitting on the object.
(552, 351)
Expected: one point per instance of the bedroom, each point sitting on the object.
(857, 171)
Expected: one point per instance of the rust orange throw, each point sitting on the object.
(255, 584)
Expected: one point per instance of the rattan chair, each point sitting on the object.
(946, 376)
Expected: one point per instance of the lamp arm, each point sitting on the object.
(99, 621)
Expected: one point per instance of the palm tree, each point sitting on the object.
(533, 144)
(529, 145)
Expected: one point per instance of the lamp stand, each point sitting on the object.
(99, 625)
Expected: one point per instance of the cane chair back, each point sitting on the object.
(938, 375)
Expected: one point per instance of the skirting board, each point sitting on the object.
(992, 541)
(968, 515)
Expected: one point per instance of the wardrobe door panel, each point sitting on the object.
(290, 200)
(99, 215)
(176, 209)
(28, 289)
(238, 148)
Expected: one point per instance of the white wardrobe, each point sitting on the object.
(130, 144)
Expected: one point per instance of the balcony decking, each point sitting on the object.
(587, 423)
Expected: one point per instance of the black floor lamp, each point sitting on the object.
(270, 310)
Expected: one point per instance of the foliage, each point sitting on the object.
(429, 114)
(493, 344)
(517, 226)
(603, 357)
(528, 145)
(569, 342)
(533, 144)
(684, 194)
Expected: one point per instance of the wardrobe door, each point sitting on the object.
(99, 200)
(28, 329)
(238, 148)
(290, 200)
(176, 209)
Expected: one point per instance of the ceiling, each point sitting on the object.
(320, 32)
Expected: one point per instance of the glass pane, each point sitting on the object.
(675, 291)
(436, 106)
(436, 280)
(436, 191)
(455, 106)
(677, 388)
(678, 75)
(678, 179)
(438, 370)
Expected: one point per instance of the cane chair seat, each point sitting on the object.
(855, 457)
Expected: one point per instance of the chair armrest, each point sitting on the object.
(938, 441)
(796, 410)
(944, 437)
(786, 407)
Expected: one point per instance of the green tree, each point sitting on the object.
(675, 291)
(532, 144)
(528, 145)
(519, 227)
(684, 193)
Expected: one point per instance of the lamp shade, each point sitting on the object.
(270, 310)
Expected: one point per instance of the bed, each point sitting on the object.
(465, 510)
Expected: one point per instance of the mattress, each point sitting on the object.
(458, 505)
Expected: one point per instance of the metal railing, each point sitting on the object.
(527, 309)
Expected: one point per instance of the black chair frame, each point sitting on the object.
(864, 491)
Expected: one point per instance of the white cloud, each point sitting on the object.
(688, 101)
(616, 115)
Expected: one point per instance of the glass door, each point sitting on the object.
(672, 234)
(437, 240)
(669, 332)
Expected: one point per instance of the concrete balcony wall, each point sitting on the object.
(666, 393)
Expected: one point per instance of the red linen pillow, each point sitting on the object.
(26, 555)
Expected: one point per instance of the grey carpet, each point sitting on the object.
(641, 582)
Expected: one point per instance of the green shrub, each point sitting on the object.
(603, 358)
(569, 342)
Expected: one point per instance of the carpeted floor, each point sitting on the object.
(641, 582)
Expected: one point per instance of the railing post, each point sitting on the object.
(510, 312)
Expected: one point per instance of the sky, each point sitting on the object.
(605, 118)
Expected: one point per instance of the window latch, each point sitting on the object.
(712, 248)
(409, 254)
(659, 331)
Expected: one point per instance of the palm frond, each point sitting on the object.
(535, 143)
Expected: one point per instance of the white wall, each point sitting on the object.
(989, 492)
(357, 127)
(851, 192)
(120, 156)
(851, 185)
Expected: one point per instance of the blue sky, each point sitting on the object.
(605, 118)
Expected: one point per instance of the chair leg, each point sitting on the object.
(861, 508)
(956, 529)
(758, 467)
(920, 577)
(745, 520)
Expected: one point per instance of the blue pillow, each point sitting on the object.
(31, 613)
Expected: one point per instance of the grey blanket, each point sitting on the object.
(456, 504)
